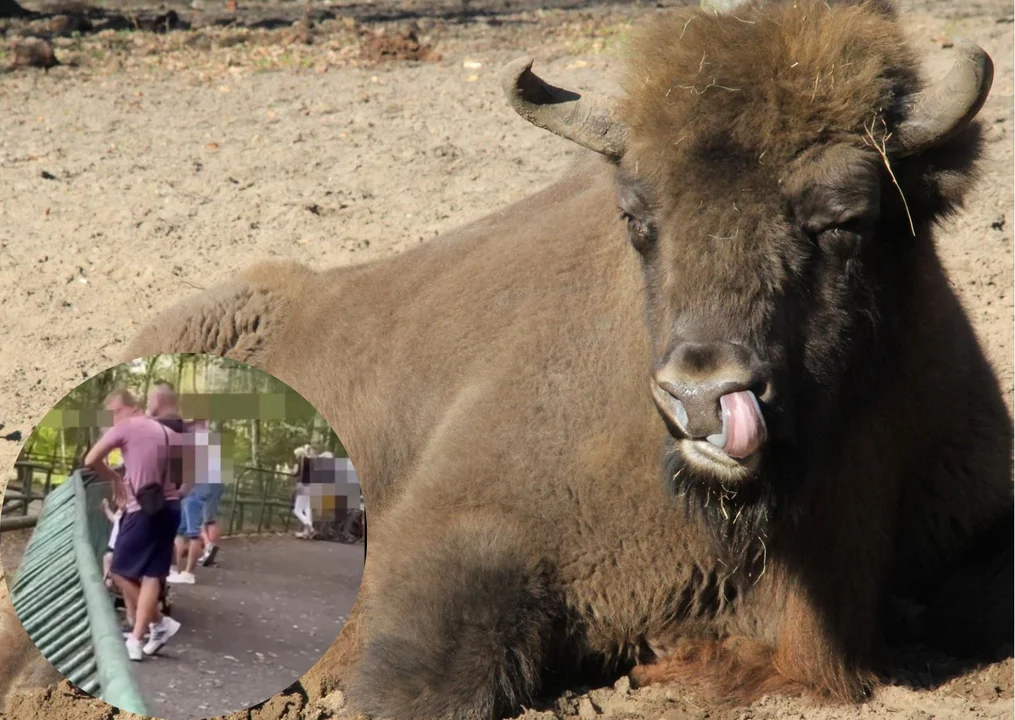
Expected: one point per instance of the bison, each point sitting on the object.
(705, 407)
(706, 404)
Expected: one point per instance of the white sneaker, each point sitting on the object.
(160, 633)
(134, 648)
(184, 578)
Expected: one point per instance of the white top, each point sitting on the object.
(209, 457)
(116, 528)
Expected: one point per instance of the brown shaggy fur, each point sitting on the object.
(787, 76)
(24, 667)
(787, 102)
(492, 388)
(737, 668)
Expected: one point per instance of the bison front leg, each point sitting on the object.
(818, 651)
(812, 624)
(330, 673)
(22, 667)
(729, 670)
(457, 621)
(968, 615)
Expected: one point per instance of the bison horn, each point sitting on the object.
(585, 119)
(722, 6)
(943, 110)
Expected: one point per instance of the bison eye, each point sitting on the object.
(832, 234)
(841, 238)
(639, 234)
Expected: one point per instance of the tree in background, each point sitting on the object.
(73, 425)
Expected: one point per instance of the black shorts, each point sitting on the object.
(144, 547)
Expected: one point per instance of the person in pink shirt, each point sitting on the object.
(144, 545)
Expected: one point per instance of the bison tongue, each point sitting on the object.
(743, 426)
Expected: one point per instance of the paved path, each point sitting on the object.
(252, 625)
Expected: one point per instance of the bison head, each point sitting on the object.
(777, 171)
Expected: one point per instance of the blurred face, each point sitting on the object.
(154, 401)
(119, 411)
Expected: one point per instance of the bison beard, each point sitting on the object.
(737, 519)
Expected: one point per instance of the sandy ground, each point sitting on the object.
(159, 163)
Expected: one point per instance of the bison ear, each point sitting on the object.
(935, 183)
(937, 148)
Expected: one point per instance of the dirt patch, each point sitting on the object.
(401, 45)
(990, 685)
(62, 702)
(33, 52)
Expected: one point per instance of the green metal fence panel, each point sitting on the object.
(61, 600)
(98, 527)
(112, 665)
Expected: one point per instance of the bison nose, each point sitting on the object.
(710, 392)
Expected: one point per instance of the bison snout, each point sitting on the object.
(720, 407)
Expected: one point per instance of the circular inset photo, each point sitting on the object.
(183, 536)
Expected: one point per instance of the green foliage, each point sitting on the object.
(261, 419)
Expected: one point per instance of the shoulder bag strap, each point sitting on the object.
(165, 463)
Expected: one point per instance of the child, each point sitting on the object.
(107, 557)
(301, 496)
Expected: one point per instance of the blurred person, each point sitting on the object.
(198, 537)
(115, 462)
(301, 503)
(114, 516)
(189, 541)
(144, 543)
(164, 407)
(353, 503)
(212, 489)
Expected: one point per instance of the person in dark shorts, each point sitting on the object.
(163, 406)
(144, 544)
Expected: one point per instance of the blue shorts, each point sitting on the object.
(211, 494)
(191, 510)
